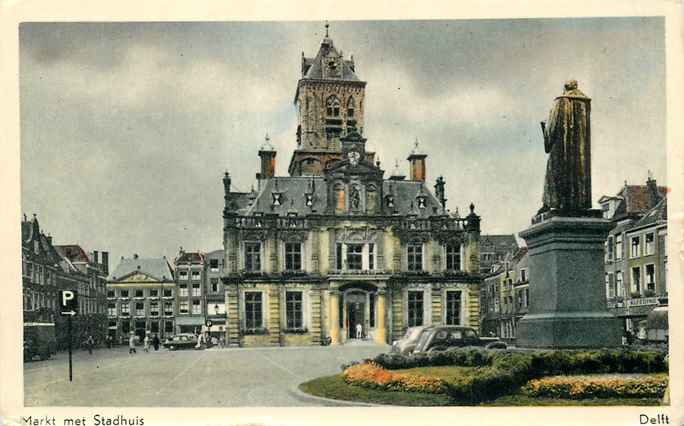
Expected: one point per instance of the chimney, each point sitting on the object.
(267, 154)
(96, 257)
(105, 263)
(417, 161)
(652, 191)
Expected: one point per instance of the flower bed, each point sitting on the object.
(371, 375)
(582, 387)
(496, 372)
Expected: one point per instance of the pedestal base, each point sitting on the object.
(567, 331)
(567, 295)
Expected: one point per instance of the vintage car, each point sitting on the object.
(408, 342)
(181, 341)
(443, 337)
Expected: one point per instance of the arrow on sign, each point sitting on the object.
(72, 313)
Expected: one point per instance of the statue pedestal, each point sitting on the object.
(567, 307)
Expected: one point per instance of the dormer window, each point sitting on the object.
(421, 201)
(332, 107)
(389, 201)
(309, 200)
(277, 198)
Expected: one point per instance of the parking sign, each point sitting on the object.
(68, 302)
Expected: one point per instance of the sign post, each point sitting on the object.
(68, 307)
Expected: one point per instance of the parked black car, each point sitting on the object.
(443, 337)
(408, 342)
(181, 341)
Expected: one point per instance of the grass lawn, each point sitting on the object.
(334, 387)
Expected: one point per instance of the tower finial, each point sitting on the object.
(327, 25)
(267, 138)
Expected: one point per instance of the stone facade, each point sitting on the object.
(311, 256)
(141, 298)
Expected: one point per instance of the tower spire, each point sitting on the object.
(327, 26)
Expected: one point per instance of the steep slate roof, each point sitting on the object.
(312, 68)
(157, 268)
(190, 257)
(293, 189)
(499, 242)
(633, 199)
(73, 252)
(656, 214)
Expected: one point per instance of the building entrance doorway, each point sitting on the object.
(356, 314)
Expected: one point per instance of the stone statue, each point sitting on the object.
(567, 186)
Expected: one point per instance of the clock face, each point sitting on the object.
(354, 157)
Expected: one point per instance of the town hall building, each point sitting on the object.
(338, 247)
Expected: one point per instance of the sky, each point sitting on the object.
(127, 128)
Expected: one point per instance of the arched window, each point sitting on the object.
(350, 107)
(332, 107)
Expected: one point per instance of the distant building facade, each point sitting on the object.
(215, 293)
(141, 298)
(336, 245)
(190, 271)
(493, 250)
(636, 252)
(505, 295)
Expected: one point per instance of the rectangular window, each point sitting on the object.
(183, 290)
(610, 286)
(124, 293)
(253, 310)
(618, 247)
(168, 326)
(636, 279)
(125, 309)
(110, 293)
(213, 265)
(183, 274)
(610, 246)
(154, 292)
(139, 293)
(650, 277)
(154, 326)
(453, 307)
(293, 310)
(125, 328)
(196, 290)
(293, 256)
(355, 257)
(338, 256)
(523, 275)
(371, 256)
(183, 307)
(650, 243)
(415, 308)
(140, 309)
(196, 307)
(214, 285)
(453, 257)
(168, 308)
(527, 297)
(154, 309)
(253, 257)
(111, 309)
(195, 275)
(619, 286)
(414, 257)
(168, 293)
(635, 244)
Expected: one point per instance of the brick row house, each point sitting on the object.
(636, 253)
(336, 244)
(48, 268)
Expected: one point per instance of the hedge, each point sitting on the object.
(583, 387)
(501, 372)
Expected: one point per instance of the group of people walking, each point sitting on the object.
(146, 343)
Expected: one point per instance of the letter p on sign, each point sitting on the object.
(68, 302)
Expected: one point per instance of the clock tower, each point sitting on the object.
(330, 103)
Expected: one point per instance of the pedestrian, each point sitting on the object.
(359, 330)
(146, 343)
(222, 342)
(155, 342)
(131, 344)
(90, 342)
(108, 341)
